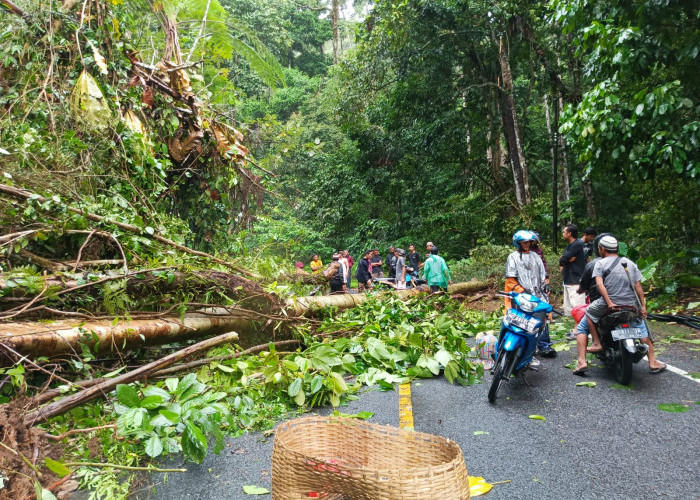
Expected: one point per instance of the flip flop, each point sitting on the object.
(660, 369)
(581, 372)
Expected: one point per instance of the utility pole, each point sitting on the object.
(555, 173)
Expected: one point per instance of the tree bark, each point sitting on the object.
(334, 22)
(512, 130)
(64, 337)
(96, 391)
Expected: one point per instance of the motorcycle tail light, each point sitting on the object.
(625, 325)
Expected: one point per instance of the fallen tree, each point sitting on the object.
(307, 306)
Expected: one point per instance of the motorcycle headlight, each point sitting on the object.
(527, 305)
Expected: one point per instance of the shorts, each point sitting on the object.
(572, 298)
(597, 309)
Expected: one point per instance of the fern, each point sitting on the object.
(115, 298)
(260, 59)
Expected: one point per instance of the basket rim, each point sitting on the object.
(331, 420)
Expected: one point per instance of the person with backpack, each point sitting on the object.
(615, 288)
(335, 274)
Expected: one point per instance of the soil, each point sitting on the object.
(20, 440)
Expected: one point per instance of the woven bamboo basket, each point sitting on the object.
(338, 458)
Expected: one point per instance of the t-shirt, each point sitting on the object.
(616, 282)
(572, 272)
(414, 260)
(374, 260)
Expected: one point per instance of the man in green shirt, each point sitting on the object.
(435, 272)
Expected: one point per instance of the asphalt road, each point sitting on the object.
(595, 443)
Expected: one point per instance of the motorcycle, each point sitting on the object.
(521, 329)
(620, 334)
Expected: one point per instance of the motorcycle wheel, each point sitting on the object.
(623, 366)
(504, 365)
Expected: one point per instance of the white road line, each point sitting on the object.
(677, 371)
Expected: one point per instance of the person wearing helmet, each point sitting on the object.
(525, 273)
(615, 289)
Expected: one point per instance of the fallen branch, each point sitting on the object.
(121, 467)
(68, 403)
(24, 194)
(71, 432)
(205, 361)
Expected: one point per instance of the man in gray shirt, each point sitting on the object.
(615, 290)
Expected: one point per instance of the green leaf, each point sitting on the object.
(152, 402)
(673, 407)
(339, 385)
(56, 467)
(41, 493)
(586, 384)
(171, 384)
(451, 371)
(255, 490)
(170, 415)
(194, 444)
(443, 357)
(154, 447)
(128, 396)
(316, 384)
(480, 433)
(294, 388)
(537, 417)
(300, 398)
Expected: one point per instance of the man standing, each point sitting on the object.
(376, 261)
(571, 265)
(335, 273)
(351, 262)
(364, 278)
(400, 269)
(525, 273)
(615, 289)
(391, 262)
(435, 272)
(413, 260)
(589, 235)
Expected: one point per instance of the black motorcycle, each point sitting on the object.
(620, 334)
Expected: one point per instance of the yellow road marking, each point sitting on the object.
(405, 407)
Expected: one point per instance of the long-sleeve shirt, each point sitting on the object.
(435, 271)
(363, 275)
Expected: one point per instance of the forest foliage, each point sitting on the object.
(150, 148)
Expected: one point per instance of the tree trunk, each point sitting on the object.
(64, 337)
(335, 8)
(512, 132)
(563, 170)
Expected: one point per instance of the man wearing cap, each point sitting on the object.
(614, 287)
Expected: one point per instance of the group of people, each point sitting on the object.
(401, 269)
(595, 287)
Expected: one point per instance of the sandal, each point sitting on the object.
(581, 372)
(660, 369)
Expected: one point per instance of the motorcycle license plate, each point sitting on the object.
(628, 333)
(520, 322)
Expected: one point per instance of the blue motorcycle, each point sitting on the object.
(521, 329)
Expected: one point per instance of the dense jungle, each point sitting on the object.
(165, 163)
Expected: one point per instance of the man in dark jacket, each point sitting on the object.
(413, 260)
(364, 278)
(571, 265)
(391, 262)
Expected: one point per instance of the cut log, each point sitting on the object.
(307, 306)
(68, 403)
(66, 336)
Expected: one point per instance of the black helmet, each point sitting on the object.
(596, 242)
